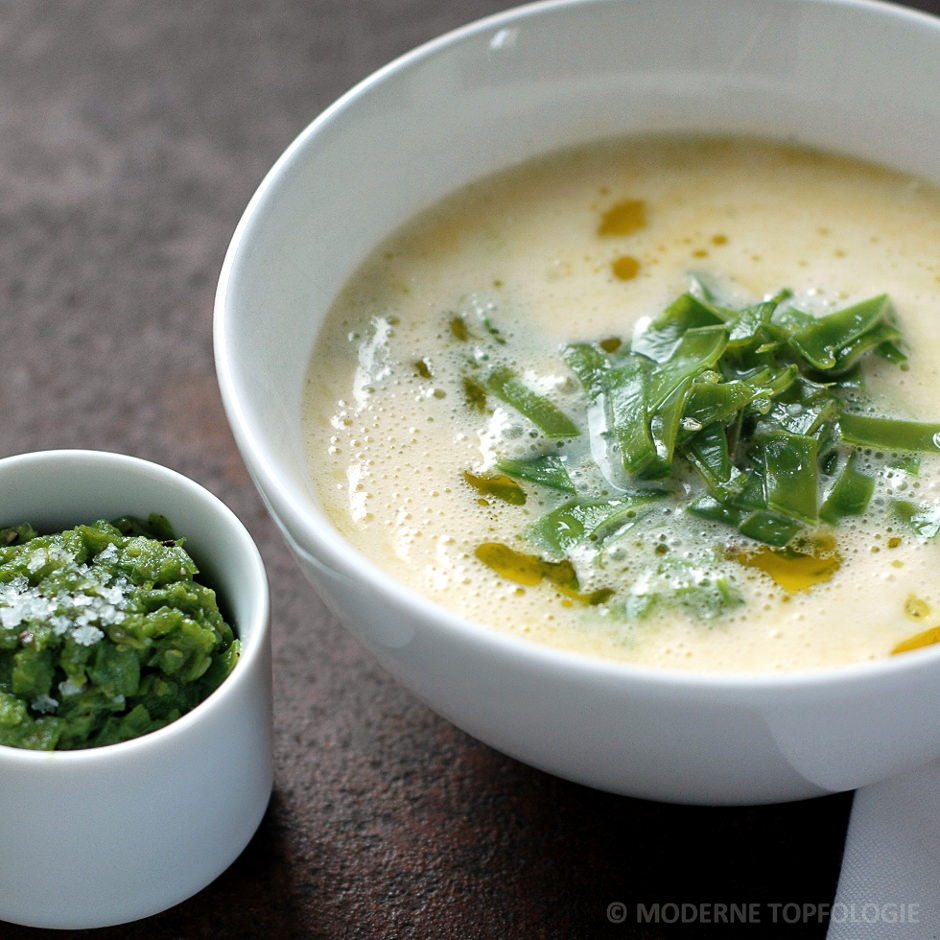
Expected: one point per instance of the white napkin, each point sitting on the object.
(889, 887)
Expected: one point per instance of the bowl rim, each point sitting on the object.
(337, 557)
(257, 588)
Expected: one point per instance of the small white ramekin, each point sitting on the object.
(107, 835)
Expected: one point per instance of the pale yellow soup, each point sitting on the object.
(579, 246)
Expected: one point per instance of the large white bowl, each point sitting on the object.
(106, 835)
(858, 77)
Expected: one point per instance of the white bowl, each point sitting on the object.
(107, 835)
(857, 77)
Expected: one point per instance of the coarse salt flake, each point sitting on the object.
(59, 623)
(116, 593)
(87, 635)
(69, 687)
(10, 617)
(29, 604)
(44, 704)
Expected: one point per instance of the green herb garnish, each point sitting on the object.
(756, 418)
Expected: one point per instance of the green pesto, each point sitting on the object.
(105, 634)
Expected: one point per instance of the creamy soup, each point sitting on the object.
(507, 411)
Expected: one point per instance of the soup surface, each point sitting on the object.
(459, 440)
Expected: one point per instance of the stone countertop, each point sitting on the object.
(131, 137)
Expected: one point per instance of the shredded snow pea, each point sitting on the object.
(543, 469)
(890, 435)
(850, 494)
(594, 520)
(756, 417)
(509, 388)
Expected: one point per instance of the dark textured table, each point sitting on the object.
(131, 136)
